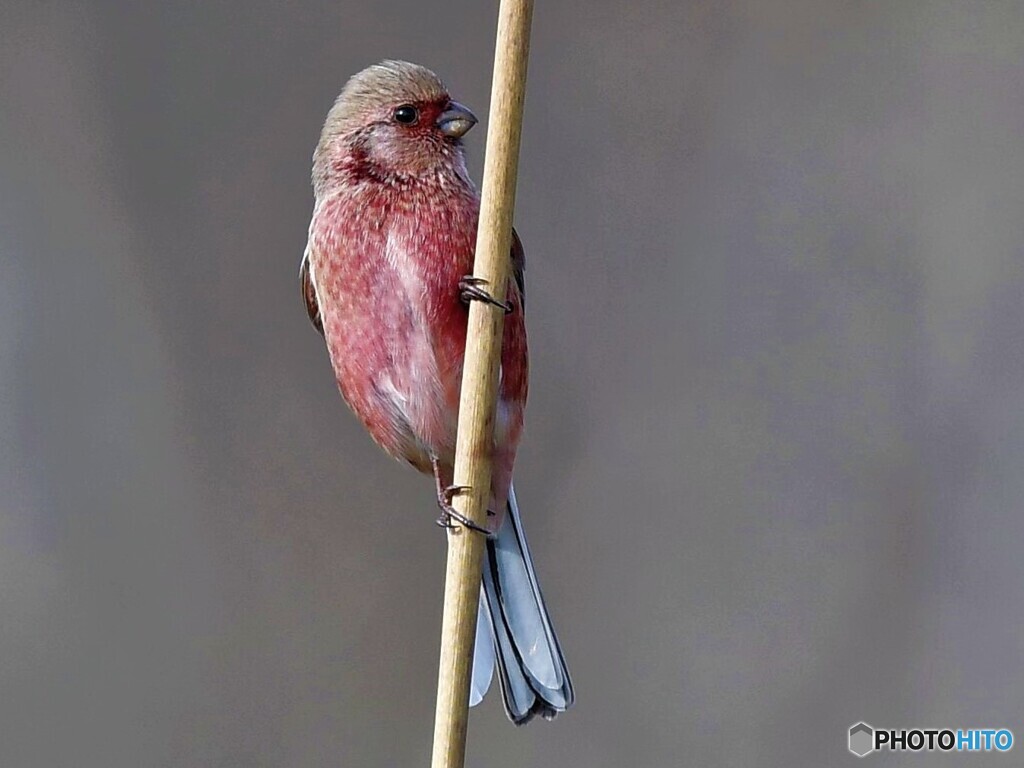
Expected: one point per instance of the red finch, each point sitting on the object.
(384, 278)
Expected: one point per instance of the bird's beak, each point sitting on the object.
(456, 121)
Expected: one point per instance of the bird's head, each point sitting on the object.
(393, 122)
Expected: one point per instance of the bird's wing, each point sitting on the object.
(519, 266)
(309, 294)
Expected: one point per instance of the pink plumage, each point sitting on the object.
(392, 235)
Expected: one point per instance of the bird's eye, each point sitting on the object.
(407, 114)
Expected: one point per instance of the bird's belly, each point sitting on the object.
(386, 365)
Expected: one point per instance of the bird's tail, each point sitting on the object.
(514, 631)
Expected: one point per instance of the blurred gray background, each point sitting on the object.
(774, 464)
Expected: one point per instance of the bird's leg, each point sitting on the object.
(470, 290)
(445, 494)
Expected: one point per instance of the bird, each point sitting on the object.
(386, 279)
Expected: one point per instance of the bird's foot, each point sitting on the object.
(449, 513)
(470, 289)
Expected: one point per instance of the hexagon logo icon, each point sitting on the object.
(862, 739)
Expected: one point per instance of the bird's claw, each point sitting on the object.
(449, 513)
(470, 289)
(450, 492)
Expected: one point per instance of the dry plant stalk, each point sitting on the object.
(480, 382)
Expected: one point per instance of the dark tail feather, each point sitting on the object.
(531, 668)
